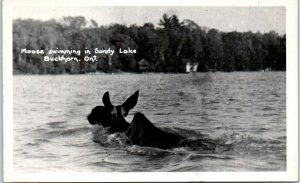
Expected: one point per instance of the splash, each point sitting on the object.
(101, 136)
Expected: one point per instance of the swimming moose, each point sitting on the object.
(140, 131)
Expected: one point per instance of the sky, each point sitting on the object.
(242, 19)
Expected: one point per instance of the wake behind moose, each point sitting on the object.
(141, 131)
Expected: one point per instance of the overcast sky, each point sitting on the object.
(263, 19)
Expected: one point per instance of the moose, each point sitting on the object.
(141, 131)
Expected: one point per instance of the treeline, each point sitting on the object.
(167, 47)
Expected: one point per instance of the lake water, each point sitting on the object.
(245, 110)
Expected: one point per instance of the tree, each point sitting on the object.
(214, 50)
(120, 39)
(174, 35)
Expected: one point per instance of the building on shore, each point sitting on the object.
(191, 67)
(144, 65)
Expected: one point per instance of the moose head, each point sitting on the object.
(113, 116)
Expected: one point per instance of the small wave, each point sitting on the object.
(269, 114)
(248, 143)
(185, 132)
(103, 164)
(148, 151)
(68, 132)
(32, 144)
(282, 138)
(211, 156)
(268, 108)
(163, 113)
(176, 104)
(56, 124)
(81, 104)
(263, 129)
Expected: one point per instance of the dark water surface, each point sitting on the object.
(244, 110)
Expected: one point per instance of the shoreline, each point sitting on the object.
(140, 73)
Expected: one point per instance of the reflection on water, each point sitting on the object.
(245, 110)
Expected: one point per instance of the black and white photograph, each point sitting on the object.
(171, 92)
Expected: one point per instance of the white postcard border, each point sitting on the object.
(291, 174)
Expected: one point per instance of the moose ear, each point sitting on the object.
(131, 101)
(106, 100)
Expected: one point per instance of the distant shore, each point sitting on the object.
(122, 72)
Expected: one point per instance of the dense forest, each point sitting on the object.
(167, 47)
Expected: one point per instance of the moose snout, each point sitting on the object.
(91, 119)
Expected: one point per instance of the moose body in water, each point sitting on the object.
(140, 131)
